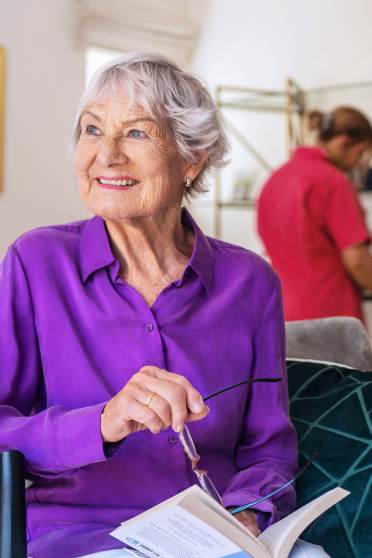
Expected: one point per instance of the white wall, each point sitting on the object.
(45, 77)
(259, 44)
(243, 42)
(318, 42)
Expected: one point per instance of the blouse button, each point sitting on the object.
(173, 440)
(149, 327)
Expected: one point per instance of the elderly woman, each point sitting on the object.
(113, 329)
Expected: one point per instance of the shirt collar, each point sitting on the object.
(96, 252)
(95, 248)
(311, 152)
(202, 257)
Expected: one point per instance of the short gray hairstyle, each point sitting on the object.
(173, 97)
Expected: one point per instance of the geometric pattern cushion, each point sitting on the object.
(331, 409)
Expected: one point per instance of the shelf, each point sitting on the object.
(288, 102)
(251, 106)
(261, 100)
(246, 204)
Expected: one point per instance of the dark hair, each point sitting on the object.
(342, 120)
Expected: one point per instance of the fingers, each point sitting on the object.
(145, 416)
(168, 394)
(185, 401)
(174, 402)
(194, 400)
(143, 400)
(198, 416)
(125, 414)
(159, 406)
(249, 519)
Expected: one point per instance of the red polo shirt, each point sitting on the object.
(308, 212)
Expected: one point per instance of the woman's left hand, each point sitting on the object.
(249, 520)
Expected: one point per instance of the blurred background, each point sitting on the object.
(267, 63)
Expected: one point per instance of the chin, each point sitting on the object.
(118, 212)
(118, 207)
(115, 213)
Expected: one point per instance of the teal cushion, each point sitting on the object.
(331, 409)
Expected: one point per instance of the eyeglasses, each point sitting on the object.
(203, 478)
(189, 446)
(202, 475)
(288, 483)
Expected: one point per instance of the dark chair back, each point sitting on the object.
(13, 508)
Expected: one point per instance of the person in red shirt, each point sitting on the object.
(313, 226)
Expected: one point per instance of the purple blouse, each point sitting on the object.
(72, 333)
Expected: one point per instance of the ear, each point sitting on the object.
(193, 170)
(344, 141)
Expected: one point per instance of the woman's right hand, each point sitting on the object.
(173, 403)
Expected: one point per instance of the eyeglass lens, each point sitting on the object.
(203, 478)
(188, 444)
(208, 487)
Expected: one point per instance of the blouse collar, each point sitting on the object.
(96, 251)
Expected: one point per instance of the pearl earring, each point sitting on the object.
(188, 182)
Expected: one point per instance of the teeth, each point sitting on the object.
(118, 182)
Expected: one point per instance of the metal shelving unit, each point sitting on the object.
(292, 102)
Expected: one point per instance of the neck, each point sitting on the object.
(158, 245)
(336, 150)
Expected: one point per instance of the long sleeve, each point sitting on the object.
(54, 439)
(267, 454)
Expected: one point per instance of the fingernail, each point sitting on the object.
(178, 428)
(198, 406)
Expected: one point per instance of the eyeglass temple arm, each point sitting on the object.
(210, 395)
(247, 506)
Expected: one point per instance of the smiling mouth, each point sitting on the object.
(117, 183)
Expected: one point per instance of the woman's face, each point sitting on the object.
(356, 154)
(127, 165)
(348, 156)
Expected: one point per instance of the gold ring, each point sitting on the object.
(148, 402)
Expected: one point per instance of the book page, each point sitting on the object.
(280, 537)
(215, 515)
(173, 532)
(206, 500)
(129, 553)
(172, 499)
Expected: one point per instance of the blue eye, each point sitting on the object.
(92, 130)
(137, 134)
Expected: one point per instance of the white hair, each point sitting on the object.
(173, 97)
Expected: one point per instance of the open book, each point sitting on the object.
(192, 525)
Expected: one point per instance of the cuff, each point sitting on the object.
(267, 513)
(110, 448)
(80, 433)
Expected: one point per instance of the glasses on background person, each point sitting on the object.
(202, 475)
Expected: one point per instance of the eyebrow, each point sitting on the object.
(125, 122)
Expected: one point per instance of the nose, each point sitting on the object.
(111, 153)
